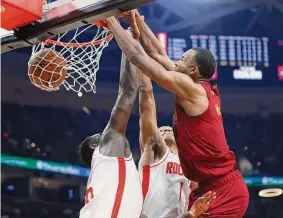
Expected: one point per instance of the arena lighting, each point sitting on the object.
(270, 192)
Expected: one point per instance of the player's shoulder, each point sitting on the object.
(110, 134)
(155, 164)
(173, 157)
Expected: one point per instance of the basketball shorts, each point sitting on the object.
(232, 197)
(113, 190)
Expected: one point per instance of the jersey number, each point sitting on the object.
(181, 188)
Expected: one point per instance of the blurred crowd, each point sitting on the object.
(23, 208)
(55, 133)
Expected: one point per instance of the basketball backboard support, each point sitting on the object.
(65, 15)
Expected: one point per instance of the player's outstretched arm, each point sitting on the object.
(128, 88)
(151, 44)
(148, 118)
(178, 83)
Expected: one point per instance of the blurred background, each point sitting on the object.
(42, 175)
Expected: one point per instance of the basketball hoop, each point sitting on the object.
(82, 49)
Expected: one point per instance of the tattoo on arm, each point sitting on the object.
(128, 87)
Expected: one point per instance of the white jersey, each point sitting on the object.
(113, 189)
(165, 188)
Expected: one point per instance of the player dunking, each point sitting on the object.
(204, 154)
(114, 187)
(165, 188)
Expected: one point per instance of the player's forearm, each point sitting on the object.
(147, 108)
(136, 54)
(152, 45)
(128, 88)
(129, 46)
(128, 76)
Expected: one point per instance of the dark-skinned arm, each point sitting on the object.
(128, 88)
(178, 83)
(148, 118)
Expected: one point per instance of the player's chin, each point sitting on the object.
(169, 139)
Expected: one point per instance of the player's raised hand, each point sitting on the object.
(202, 204)
(130, 17)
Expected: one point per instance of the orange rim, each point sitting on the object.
(75, 45)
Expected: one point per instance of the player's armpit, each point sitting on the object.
(109, 138)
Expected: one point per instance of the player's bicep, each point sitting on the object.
(178, 83)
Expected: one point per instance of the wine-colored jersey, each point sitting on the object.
(202, 147)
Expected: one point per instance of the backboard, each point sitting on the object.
(64, 15)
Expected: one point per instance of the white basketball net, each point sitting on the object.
(82, 57)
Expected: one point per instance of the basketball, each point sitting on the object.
(47, 69)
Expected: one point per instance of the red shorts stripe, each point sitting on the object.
(120, 188)
(145, 180)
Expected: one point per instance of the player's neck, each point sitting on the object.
(202, 79)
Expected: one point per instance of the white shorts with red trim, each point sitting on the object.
(113, 190)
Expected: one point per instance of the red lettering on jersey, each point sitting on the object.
(169, 167)
(88, 192)
(174, 168)
(180, 171)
